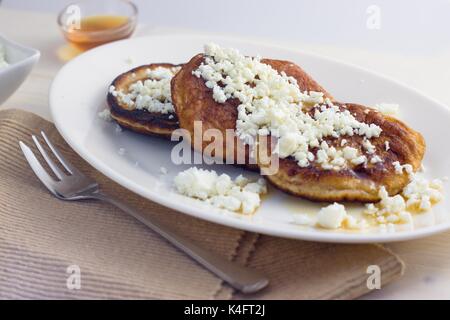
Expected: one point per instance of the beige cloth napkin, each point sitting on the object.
(40, 237)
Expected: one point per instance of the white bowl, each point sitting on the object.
(21, 60)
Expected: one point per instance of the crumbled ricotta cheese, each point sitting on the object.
(421, 194)
(368, 146)
(399, 168)
(391, 205)
(359, 160)
(105, 115)
(335, 216)
(152, 94)
(163, 170)
(375, 159)
(418, 195)
(387, 108)
(303, 219)
(332, 216)
(240, 195)
(387, 207)
(3, 62)
(351, 222)
(389, 210)
(271, 102)
(162, 73)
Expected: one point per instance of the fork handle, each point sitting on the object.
(241, 278)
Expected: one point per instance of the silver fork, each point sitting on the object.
(74, 185)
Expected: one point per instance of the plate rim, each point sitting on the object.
(229, 221)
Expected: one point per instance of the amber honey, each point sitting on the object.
(96, 30)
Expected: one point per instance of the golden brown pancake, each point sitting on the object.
(193, 101)
(142, 121)
(357, 182)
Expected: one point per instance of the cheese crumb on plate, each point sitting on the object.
(238, 195)
(3, 62)
(332, 216)
(105, 115)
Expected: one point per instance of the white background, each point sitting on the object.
(410, 27)
(412, 44)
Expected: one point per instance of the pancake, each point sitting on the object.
(193, 101)
(356, 182)
(140, 119)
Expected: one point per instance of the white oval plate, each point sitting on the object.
(78, 94)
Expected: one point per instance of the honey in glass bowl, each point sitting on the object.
(90, 23)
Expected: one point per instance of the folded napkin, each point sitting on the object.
(42, 238)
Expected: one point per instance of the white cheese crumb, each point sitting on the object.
(350, 153)
(219, 95)
(353, 223)
(370, 209)
(105, 115)
(370, 148)
(405, 217)
(375, 159)
(226, 202)
(399, 168)
(163, 170)
(418, 195)
(3, 62)
(387, 108)
(240, 195)
(303, 219)
(387, 146)
(391, 205)
(332, 216)
(359, 160)
(241, 180)
(389, 209)
(421, 193)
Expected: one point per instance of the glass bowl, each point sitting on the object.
(89, 23)
(20, 61)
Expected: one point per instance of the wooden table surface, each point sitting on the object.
(427, 260)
